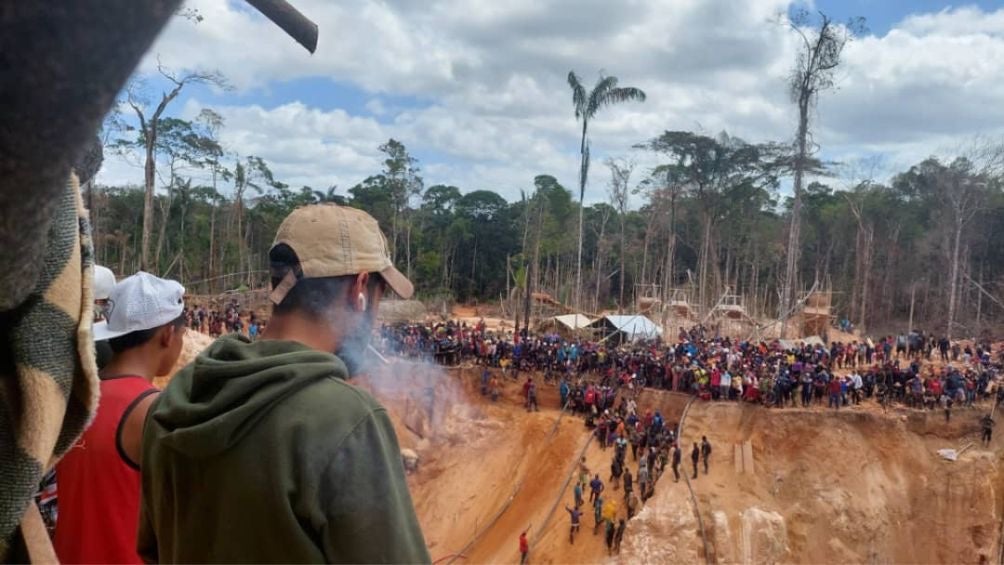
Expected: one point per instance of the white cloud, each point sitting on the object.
(376, 107)
(497, 110)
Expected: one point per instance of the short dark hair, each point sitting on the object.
(136, 339)
(310, 296)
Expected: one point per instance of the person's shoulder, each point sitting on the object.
(334, 394)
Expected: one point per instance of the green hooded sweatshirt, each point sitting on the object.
(261, 452)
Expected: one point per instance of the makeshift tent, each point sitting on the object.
(566, 325)
(621, 329)
(573, 321)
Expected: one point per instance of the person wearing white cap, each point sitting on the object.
(104, 282)
(261, 451)
(99, 479)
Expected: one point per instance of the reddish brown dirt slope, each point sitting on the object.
(855, 486)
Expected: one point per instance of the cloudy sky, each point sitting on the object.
(476, 88)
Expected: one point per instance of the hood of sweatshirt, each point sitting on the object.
(214, 402)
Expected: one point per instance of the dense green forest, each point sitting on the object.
(712, 216)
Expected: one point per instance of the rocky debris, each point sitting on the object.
(764, 536)
(665, 531)
(721, 535)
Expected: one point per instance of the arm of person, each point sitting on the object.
(130, 432)
(370, 516)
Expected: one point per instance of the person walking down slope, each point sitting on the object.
(609, 515)
(643, 483)
(524, 548)
(632, 506)
(263, 451)
(695, 456)
(609, 535)
(628, 483)
(616, 470)
(677, 455)
(576, 517)
(705, 452)
(597, 514)
(595, 488)
(619, 535)
(987, 423)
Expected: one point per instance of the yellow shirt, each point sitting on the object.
(609, 510)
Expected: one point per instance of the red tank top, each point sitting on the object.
(99, 490)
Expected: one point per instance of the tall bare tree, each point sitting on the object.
(814, 72)
(964, 186)
(587, 104)
(149, 118)
(620, 178)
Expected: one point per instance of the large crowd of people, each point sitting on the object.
(600, 381)
(916, 369)
(216, 322)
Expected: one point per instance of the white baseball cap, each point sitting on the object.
(104, 282)
(140, 302)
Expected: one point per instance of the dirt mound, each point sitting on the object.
(855, 486)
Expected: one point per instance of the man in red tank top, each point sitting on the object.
(99, 480)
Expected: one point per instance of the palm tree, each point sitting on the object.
(605, 93)
(330, 195)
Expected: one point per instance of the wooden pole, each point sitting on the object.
(290, 20)
(913, 294)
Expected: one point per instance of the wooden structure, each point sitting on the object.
(816, 313)
(729, 317)
(679, 304)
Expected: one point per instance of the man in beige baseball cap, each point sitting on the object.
(334, 241)
(294, 463)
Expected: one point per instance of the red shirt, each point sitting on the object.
(835, 386)
(524, 546)
(99, 491)
(934, 387)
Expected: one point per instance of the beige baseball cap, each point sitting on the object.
(334, 241)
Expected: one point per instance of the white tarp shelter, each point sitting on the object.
(573, 321)
(566, 325)
(629, 327)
